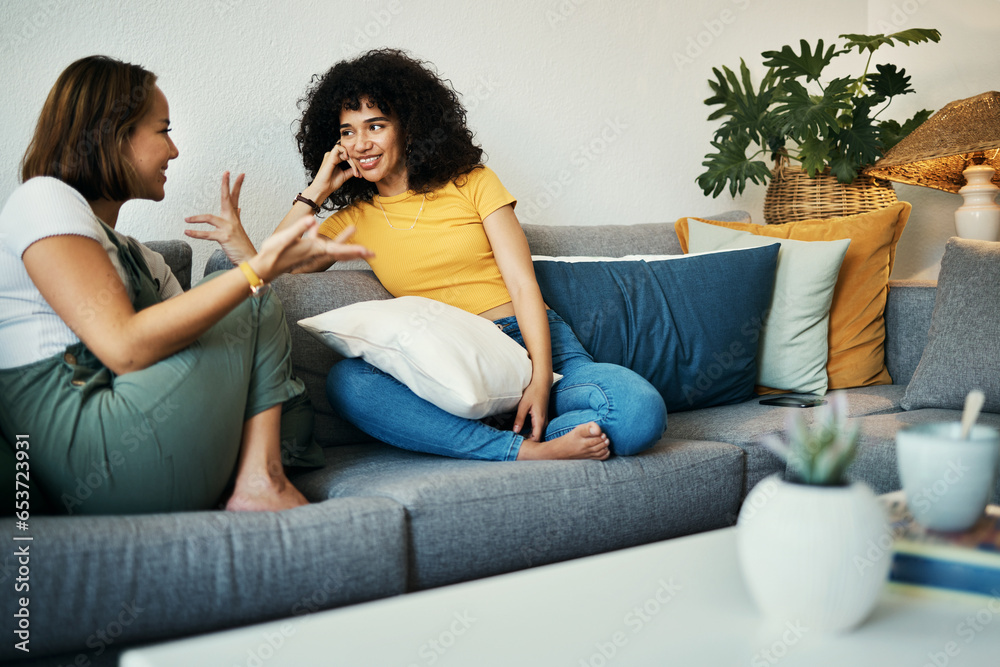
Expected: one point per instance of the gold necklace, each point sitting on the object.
(422, 201)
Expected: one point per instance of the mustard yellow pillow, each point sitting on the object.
(857, 322)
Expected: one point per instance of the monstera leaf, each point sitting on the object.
(747, 108)
(814, 154)
(889, 81)
(859, 146)
(731, 165)
(871, 42)
(809, 64)
(813, 115)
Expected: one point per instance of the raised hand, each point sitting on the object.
(228, 230)
(330, 175)
(301, 245)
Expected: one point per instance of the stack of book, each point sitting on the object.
(927, 562)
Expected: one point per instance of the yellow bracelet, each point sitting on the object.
(256, 283)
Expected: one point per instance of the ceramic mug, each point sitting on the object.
(948, 481)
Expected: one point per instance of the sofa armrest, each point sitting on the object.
(304, 295)
(908, 312)
(158, 576)
(177, 255)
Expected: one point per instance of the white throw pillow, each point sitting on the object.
(458, 361)
(794, 346)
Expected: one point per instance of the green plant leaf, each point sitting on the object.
(808, 115)
(814, 152)
(889, 81)
(731, 165)
(748, 108)
(891, 132)
(871, 42)
(843, 168)
(856, 142)
(788, 64)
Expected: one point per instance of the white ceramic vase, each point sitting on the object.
(814, 555)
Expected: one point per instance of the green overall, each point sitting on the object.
(165, 438)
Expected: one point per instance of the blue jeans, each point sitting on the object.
(626, 407)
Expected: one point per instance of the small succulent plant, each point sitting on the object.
(818, 450)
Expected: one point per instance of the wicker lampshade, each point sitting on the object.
(935, 154)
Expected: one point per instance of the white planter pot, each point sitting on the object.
(810, 554)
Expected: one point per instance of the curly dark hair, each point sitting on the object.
(439, 145)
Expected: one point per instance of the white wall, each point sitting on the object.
(590, 110)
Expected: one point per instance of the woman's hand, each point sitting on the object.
(331, 175)
(534, 401)
(301, 245)
(228, 232)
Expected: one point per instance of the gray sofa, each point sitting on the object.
(385, 521)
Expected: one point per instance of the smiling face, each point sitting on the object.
(374, 141)
(149, 149)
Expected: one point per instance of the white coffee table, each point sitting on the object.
(678, 602)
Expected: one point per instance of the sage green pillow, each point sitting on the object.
(793, 349)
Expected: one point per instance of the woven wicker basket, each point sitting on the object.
(792, 195)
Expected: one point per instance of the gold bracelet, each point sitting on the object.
(256, 283)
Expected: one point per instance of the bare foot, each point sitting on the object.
(586, 441)
(265, 493)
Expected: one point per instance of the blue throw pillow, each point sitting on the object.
(689, 324)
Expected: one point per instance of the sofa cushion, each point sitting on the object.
(876, 460)
(794, 343)
(472, 519)
(746, 424)
(961, 352)
(688, 324)
(908, 312)
(857, 324)
(165, 575)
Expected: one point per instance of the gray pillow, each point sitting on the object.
(962, 351)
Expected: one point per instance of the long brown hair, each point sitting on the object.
(84, 126)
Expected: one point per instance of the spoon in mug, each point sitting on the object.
(973, 404)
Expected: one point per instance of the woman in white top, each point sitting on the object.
(139, 397)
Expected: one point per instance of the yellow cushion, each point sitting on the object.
(857, 323)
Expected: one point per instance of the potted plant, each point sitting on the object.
(830, 129)
(804, 540)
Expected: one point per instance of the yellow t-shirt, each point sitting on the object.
(446, 255)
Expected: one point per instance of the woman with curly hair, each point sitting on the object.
(386, 144)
